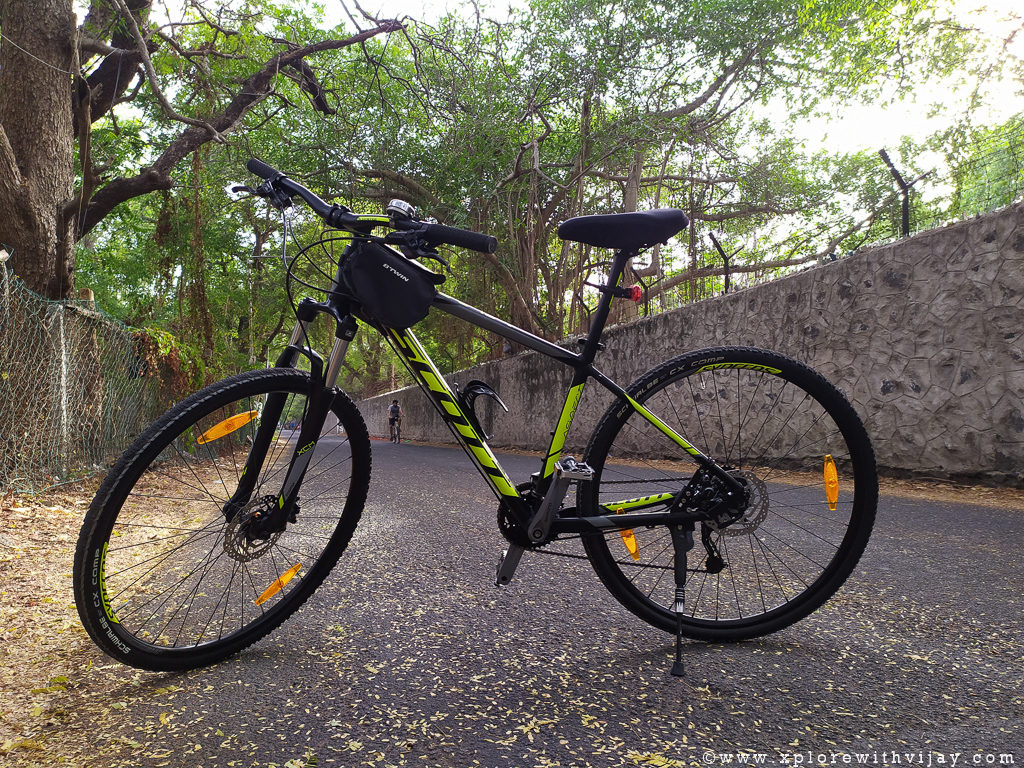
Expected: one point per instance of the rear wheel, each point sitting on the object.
(164, 580)
(795, 443)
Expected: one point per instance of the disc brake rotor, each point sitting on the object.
(237, 543)
(756, 511)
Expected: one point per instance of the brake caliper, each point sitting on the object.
(707, 498)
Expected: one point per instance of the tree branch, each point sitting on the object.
(712, 88)
(256, 88)
(409, 183)
(154, 84)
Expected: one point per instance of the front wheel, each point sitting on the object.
(801, 453)
(164, 579)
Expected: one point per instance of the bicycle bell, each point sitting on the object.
(399, 209)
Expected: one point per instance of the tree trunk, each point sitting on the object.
(37, 60)
(623, 310)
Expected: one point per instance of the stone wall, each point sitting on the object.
(925, 336)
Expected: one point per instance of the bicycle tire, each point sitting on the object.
(770, 420)
(162, 580)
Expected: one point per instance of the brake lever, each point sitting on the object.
(433, 254)
(244, 188)
(277, 197)
(414, 247)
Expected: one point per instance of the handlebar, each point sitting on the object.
(281, 189)
(262, 170)
(462, 238)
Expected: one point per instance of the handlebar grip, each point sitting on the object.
(262, 170)
(462, 238)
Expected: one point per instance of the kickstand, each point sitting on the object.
(682, 542)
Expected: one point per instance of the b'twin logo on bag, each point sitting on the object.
(395, 272)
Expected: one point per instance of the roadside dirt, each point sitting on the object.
(44, 642)
(48, 655)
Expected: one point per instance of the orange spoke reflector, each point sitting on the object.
(831, 482)
(227, 426)
(278, 584)
(628, 538)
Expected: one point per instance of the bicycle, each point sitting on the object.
(725, 494)
(396, 431)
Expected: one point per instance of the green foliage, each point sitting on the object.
(572, 107)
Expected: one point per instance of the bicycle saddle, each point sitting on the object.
(624, 231)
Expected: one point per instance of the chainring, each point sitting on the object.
(513, 531)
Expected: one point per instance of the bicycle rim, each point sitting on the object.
(793, 441)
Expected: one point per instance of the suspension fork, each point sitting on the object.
(320, 398)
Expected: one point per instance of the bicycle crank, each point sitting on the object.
(538, 530)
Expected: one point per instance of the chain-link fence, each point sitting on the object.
(75, 387)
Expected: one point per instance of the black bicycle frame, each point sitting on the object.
(432, 381)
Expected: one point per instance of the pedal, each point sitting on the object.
(574, 470)
(507, 565)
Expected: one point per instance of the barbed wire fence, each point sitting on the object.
(76, 387)
(987, 175)
(990, 177)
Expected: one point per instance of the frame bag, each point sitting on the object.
(394, 291)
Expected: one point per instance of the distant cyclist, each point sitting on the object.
(395, 421)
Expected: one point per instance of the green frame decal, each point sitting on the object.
(423, 368)
(749, 366)
(613, 507)
(572, 402)
(665, 429)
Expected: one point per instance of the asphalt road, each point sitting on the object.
(408, 655)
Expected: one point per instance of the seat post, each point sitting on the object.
(604, 306)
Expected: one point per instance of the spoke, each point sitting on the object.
(213, 499)
(766, 552)
(724, 549)
(721, 418)
(757, 573)
(215, 460)
(696, 412)
(790, 547)
(317, 461)
(227, 600)
(161, 555)
(783, 424)
(209, 559)
(345, 481)
(183, 532)
(135, 495)
(152, 469)
(750, 403)
(223, 597)
(802, 528)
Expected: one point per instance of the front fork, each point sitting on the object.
(321, 396)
